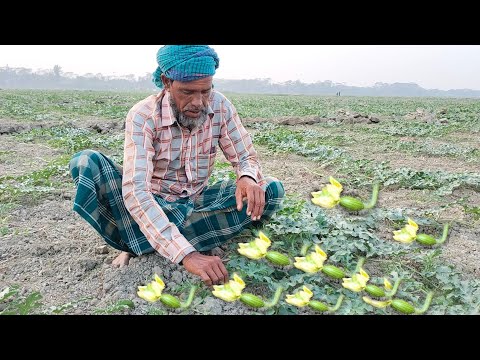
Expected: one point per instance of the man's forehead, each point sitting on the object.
(200, 83)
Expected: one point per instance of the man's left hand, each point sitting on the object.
(255, 195)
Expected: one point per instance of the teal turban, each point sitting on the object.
(185, 63)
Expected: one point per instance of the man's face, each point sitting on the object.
(189, 100)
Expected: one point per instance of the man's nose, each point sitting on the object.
(197, 100)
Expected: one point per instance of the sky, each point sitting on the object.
(441, 67)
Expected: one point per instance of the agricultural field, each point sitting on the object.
(424, 153)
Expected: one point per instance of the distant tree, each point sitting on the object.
(55, 78)
(57, 71)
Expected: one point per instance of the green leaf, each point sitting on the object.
(127, 303)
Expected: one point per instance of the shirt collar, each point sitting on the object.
(164, 112)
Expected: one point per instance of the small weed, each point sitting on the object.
(157, 311)
(73, 140)
(35, 184)
(119, 307)
(60, 309)
(4, 230)
(221, 173)
(16, 304)
(6, 156)
(474, 210)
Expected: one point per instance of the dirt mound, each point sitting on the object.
(427, 117)
(341, 117)
(10, 127)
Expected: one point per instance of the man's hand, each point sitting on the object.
(248, 188)
(209, 268)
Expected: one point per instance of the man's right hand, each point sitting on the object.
(209, 268)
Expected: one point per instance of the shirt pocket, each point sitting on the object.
(204, 165)
(209, 146)
(166, 163)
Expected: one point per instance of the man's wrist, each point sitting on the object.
(248, 176)
(188, 256)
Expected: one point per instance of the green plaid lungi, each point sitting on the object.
(206, 223)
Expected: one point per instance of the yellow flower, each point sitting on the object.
(313, 262)
(159, 281)
(357, 282)
(230, 291)
(263, 242)
(257, 248)
(376, 303)
(407, 234)
(329, 196)
(250, 250)
(153, 291)
(387, 284)
(301, 298)
(237, 284)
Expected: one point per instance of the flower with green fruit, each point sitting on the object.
(408, 233)
(357, 282)
(329, 196)
(300, 298)
(313, 262)
(230, 291)
(153, 291)
(303, 298)
(257, 249)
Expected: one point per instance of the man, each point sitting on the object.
(161, 200)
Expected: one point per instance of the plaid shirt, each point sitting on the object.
(168, 160)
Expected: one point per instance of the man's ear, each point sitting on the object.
(166, 82)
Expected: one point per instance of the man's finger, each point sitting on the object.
(257, 211)
(206, 279)
(260, 204)
(218, 272)
(224, 271)
(212, 276)
(239, 198)
(250, 202)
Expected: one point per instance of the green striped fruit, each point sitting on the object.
(277, 258)
(317, 305)
(351, 203)
(402, 306)
(426, 239)
(252, 300)
(333, 271)
(170, 301)
(374, 290)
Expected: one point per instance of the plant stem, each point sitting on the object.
(426, 304)
(360, 263)
(374, 197)
(394, 289)
(187, 303)
(305, 248)
(275, 299)
(312, 172)
(444, 235)
(338, 304)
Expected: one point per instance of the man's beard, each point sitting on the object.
(186, 121)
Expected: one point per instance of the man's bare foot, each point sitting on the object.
(122, 260)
